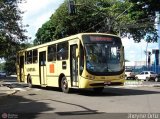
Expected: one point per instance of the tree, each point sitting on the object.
(150, 5)
(11, 28)
(112, 16)
(143, 12)
(45, 33)
(2, 65)
(10, 67)
(11, 32)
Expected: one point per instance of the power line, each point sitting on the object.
(109, 20)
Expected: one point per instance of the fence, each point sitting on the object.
(138, 69)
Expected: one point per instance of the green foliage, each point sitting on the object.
(45, 33)
(10, 67)
(143, 13)
(11, 28)
(123, 17)
(11, 32)
(149, 5)
(2, 65)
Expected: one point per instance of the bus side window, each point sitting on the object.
(62, 51)
(29, 57)
(52, 53)
(35, 53)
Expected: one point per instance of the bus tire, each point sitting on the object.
(98, 90)
(64, 85)
(29, 81)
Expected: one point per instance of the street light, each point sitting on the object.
(71, 7)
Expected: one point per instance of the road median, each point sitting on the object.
(138, 83)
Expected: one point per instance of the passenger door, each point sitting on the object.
(42, 67)
(74, 65)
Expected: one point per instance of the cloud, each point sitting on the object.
(35, 7)
(135, 51)
(37, 12)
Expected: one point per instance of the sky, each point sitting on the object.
(37, 12)
(135, 51)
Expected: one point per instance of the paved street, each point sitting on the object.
(52, 103)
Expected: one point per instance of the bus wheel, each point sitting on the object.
(29, 80)
(98, 90)
(64, 85)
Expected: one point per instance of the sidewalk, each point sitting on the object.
(10, 87)
(5, 91)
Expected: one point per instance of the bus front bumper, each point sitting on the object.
(107, 84)
(87, 83)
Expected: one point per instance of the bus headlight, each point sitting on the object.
(122, 76)
(90, 77)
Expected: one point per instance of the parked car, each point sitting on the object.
(146, 75)
(129, 74)
(2, 74)
(157, 79)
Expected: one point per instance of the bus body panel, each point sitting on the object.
(52, 74)
(49, 73)
(101, 81)
(33, 70)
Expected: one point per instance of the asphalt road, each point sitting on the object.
(113, 103)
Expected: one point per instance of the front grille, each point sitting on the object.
(103, 84)
(97, 84)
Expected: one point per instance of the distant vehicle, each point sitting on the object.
(147, 75)
(157, 79)
(2, 74)
(129, 74)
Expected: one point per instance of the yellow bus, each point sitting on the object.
(85, 60)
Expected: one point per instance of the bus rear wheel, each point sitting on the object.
(64, 85)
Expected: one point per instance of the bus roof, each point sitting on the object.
(64, 39)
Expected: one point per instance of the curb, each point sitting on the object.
(8, 88)
(142, 85)
(157, 85)
(133, 84)
(152, 85)
(5, 91)
(8, 94)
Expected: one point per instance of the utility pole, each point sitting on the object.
(146, 52)
(157, 25)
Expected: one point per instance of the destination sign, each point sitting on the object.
(100, 38)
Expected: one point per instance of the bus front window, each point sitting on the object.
(103, 57)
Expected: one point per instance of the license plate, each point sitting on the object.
(107, 83)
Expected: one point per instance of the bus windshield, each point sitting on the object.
(103, 54)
